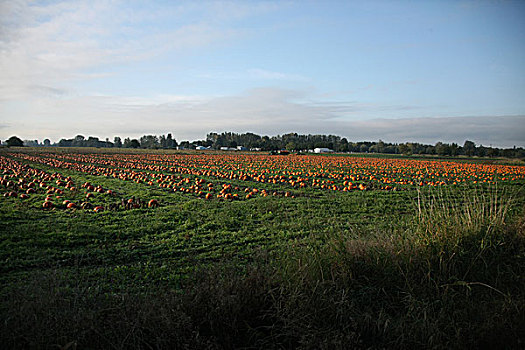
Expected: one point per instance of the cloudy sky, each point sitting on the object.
(367, 70)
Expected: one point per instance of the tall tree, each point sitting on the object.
(117, 142)
(14, 141)
(149, 141)
(134, 143)
(78, 141)
(469, 148)
(170, 142)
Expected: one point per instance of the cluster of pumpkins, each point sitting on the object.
(127, 204)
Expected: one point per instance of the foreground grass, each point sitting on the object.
(451, 274)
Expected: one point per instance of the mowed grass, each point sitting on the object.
(427, 268)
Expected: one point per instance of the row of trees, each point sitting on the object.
(291, 141)
(298, 143)
(146, 141)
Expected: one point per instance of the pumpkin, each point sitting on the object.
(86, 205)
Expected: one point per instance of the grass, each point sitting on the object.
(409, 269)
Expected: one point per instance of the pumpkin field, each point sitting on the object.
(111, 248)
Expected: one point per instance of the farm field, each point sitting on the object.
(163, 249)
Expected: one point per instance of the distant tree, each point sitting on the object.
(493, 152)
(185, 144)
(14, 141)
(469, 148)
(380, 147)
(47, 143)
(117, 142)
(92, 142)
(78, 141)
(481, 151)
(402, 148)
(363, 148)
(64, 143)
(170, 142)
(290, 146)
(31, 143)
(443, 149)
(430, 149)
(213, 138)
(454, 149)
(134, 143)
(149, 141)
(390, 149)
(343, 145)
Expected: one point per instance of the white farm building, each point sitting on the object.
(323, 150)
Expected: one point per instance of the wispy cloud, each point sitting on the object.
(270, 75)
(58, 44)
(254, 74)
(264, 110)
(500, 131)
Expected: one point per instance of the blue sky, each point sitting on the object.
(393, 70)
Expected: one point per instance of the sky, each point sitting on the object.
(397, 71)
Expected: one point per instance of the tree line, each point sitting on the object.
(301, 143)
(292, 142)
(146, 141)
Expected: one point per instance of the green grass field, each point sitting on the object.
(418, 267)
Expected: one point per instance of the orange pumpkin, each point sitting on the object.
(153, 203)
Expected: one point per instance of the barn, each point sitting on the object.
(323, 150)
